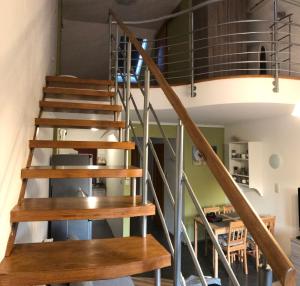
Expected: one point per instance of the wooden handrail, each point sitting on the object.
(281, 265)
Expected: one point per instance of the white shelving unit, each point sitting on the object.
(245, 165)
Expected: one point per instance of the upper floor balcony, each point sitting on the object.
(221, 57)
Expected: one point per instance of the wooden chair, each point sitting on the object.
(253, 249)
(207, 210)
(227, 209)
(215, 210)
(236, 243)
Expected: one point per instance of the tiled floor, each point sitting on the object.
(205, 261)
(102, 230)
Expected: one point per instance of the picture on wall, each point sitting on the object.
(197, 156)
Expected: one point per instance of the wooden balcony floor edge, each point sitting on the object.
(92, 171)
(81, 144)
(76, 208)
(88, 260)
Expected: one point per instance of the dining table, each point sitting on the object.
(218, 228)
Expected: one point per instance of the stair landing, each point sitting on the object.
(88, 260)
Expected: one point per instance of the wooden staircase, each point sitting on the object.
(71, 261)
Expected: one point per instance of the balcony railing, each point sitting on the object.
(229, 48)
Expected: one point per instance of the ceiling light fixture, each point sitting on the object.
(296, 111)
(94, 129)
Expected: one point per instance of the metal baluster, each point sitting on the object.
(290, 43)
(157, 277)
(145, 147)
(178, 204)
(275, 41)
(124, 55)
(133, 187)
(110, 48)
(116, 73)
(127, 100)
(117, 79)
(191, 56)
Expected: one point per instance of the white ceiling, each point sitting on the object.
(228, 113)
(97, 10)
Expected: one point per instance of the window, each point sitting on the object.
(136, 59)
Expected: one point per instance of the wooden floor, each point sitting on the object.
(140, 281)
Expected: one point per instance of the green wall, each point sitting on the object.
(203, 182)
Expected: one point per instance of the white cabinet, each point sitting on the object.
(245, 164)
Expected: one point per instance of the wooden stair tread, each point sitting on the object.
(81, 144)
(77, 93)
(79, 123)
(87, 260)
(76, 208)
(67, 79)
(62, 106)
(91, 171)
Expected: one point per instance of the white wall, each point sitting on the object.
(280, 135)
(27, 54)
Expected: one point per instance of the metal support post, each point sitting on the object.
(290, 44)
(275, 45)
(123, 73)
(178, 204)
(145, 148)
(157, 277)
(127, 99)
(133, 187)
(191, 55)
(116, 71)
(110, 48)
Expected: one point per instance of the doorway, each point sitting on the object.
(154, 221)
(157, 179)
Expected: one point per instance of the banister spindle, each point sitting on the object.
(145, 147)
(178, 204)
(116, 72)
(275, 45)
(110, 48)
(127, 99)
(191, 53)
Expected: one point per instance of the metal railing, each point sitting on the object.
(178, 200)
(236, 47)
(123, 75)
